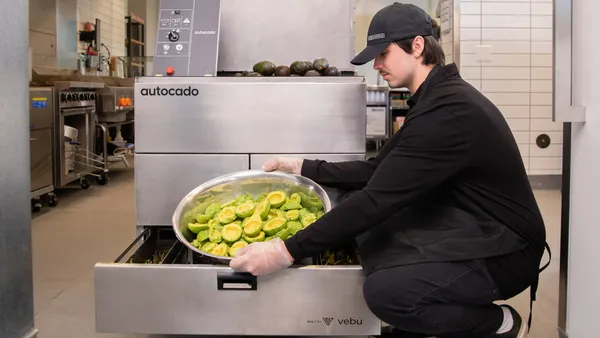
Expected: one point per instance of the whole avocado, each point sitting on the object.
(245, 73)
(309, 65)
(264, 68)
(312, 73)
(332, 71)
(320, 64)
(298, 68)
(282, 71)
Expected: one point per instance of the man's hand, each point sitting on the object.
(292, 165)
(262, 258)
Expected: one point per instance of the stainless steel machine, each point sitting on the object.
(190, 130)
(224, 126)
(73, 125)
(41, 112)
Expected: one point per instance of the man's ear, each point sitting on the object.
(418, 46)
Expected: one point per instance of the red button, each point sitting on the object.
(170, 70)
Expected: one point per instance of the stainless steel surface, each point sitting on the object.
(41, 107)
(162, 180)
(40, 158)
(231, 115)
(182, 299)
(16, 286)
(564, 108)
(257, 160)
(64, 78)
(317, 29)
(226, 188)
(43, 191)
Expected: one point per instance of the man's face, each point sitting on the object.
(396, 66)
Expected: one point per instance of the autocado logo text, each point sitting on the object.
(159, 91)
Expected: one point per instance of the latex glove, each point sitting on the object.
(292, 165)
(262, 258)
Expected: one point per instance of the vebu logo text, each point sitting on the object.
(158, 91)
(348, 321)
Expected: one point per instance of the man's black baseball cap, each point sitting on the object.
(393, 23)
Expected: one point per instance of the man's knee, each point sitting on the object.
(391, 305)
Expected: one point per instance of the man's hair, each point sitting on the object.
(433, 54)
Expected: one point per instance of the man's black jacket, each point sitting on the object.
(449, 185)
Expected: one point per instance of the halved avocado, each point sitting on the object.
(203, 218)
(283, 234)
(220, 250)
(236, 246)
(263, 208)
(292, 215)
(231, 232)
(294, 227)
(290, 205)
(277, 198)
(245, 209)
(274, 225)
(227, 215)
(295, 197)
(208, 246)
(259, 238)
(196, 228)
(215, 236)
(202, 236)
(252, 226)
(212, 209)
(308, 219)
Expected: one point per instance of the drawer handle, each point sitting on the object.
(32, 139)
(236, 281)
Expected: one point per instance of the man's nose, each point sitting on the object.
(377, 64)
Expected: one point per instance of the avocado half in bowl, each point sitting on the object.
(229, 212)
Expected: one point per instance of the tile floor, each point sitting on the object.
(95, 225)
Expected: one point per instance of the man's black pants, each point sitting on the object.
(450, 300)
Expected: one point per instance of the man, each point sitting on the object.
(444, 217)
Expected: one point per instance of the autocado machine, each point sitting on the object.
(202, 132)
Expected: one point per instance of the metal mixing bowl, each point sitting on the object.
(226, 188)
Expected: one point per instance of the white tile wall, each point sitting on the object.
(517, 74)
(112, 15)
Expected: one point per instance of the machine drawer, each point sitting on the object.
(158, 287)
